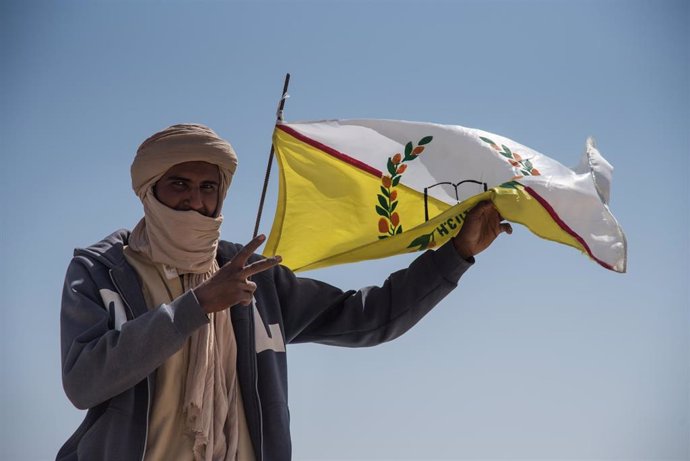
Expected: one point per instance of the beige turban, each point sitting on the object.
(180, 144)
(184, 240)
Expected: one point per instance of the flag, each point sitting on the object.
(352, 190)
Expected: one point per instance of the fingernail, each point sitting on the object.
(278, 258)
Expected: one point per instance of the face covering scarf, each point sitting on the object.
(185, 242)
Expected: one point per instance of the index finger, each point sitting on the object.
(488, 206)
(240, 259)
(260, 266)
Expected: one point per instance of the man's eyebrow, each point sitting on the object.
(182, 178)
(177, 178)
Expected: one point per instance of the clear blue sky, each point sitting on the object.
(540, 353)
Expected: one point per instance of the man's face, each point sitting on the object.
(190, 186)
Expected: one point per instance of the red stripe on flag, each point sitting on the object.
(564, 226)
(330, 151)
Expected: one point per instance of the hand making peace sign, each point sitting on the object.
(231, 284)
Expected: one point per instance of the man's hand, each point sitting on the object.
(482, 226)
(231, 284)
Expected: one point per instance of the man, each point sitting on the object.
(175, 341)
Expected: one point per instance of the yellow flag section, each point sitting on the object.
(352, 190)
(325, 207)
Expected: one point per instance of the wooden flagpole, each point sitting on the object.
(279, 118)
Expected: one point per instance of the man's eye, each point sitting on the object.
(179, 185)
(209, 187)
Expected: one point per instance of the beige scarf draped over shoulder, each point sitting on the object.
(185, 242)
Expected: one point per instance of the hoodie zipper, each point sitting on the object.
(255, 377)
(148, 381)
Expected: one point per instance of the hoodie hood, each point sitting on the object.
(109, 250)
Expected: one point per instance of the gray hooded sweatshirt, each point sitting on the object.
(112, 344)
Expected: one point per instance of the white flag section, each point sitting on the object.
(362, 189)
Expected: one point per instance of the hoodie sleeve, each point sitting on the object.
(101, 356)
(317, 312)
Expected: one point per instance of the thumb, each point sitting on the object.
(506, 227)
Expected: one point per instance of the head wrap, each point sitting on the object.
(179, 144)
(184, 240)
